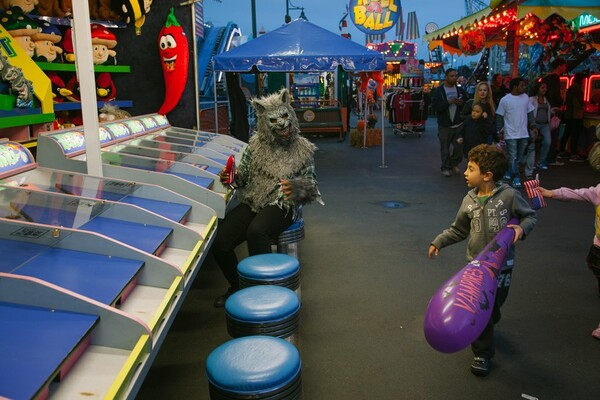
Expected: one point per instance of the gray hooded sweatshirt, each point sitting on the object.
(480, 223)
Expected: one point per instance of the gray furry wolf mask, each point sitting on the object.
(276, 119)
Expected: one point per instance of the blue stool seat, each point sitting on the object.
(269, 269)
(254, 367)
(263, 310)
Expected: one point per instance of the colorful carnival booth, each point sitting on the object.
(550, 28)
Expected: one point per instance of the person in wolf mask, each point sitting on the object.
(275, 176)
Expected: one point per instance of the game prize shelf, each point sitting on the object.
(125, 269)
(65, 150)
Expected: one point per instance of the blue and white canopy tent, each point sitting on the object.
(300, 46)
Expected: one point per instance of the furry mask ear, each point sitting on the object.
(258, 106)
(285, 96)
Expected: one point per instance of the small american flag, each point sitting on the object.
(537, 200)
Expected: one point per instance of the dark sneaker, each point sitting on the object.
(480, 366)
(220, 301)
(576, 158)
(516, 183)
(456, 170)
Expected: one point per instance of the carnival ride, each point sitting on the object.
(216, 41)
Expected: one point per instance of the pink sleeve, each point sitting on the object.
(591, 194)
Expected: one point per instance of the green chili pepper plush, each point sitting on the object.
(174, 55)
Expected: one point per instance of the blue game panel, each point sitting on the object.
(197, 180)
(100, 277)
(34, 342)
(174, 211)
(148, 238)
(15, 253)
(101, 195)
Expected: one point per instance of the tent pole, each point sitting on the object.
(195, 47)
(215, 97)
(382, 131)
(365, 109)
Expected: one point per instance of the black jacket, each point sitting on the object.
(440, 105)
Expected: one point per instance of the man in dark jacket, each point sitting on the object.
(447, 102)
(556, 100)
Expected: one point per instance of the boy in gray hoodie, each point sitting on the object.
(484, 211)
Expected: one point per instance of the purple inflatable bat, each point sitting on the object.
(461, 308)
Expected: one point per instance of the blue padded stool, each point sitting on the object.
(263, 310)
(254, 367)
(270, 269)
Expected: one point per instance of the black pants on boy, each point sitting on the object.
(484, 345)
(257, 229)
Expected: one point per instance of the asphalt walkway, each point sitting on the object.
(366, 282)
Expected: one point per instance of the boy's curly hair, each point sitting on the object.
(489, 158)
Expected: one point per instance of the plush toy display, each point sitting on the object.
(20, 27)
(132, 12)
(73, 87)
(109, 113)
(67, 46)
(55, 8)
(103, 43)
(45, 42)
(105, 12)
(174, 54)
(19, 86)
(105, 87)
(26, 6)
(59, 91)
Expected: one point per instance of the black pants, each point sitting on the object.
(593, 262)
(451, 152)
(484, 345)
(573, 128)
(257, 229)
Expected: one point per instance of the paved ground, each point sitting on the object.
(366, 281)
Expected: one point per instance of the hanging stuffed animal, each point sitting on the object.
(174, 55)
(132, 12)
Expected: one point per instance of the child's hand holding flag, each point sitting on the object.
(536, 197)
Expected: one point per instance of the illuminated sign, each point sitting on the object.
(588, 20)
(374, 17)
